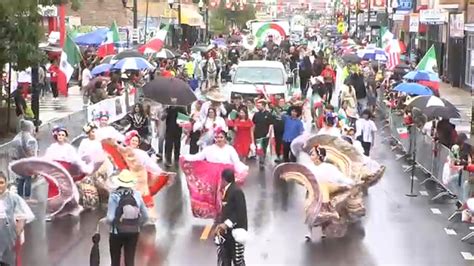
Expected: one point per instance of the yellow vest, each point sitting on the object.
(189, 66)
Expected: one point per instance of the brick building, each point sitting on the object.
(103, 13)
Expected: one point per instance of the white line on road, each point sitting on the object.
(467, 255)
(450, 232)
(423, 193)
(435, 211)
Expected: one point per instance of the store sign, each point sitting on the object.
(433, 16)
(48, 11)
(378, 4)
(456, 25)
(414, 23)
(405, 5)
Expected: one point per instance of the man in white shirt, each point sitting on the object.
(86, 78)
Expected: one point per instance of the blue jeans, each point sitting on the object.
(24, 186)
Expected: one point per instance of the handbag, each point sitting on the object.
(240, 235)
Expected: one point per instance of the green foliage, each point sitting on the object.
(20, 31)
(222, 18)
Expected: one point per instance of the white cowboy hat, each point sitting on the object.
(125, 179)
(215, 96)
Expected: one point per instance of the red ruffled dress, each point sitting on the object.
(243, 136)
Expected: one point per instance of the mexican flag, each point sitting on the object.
(233, 115)
(70, 57)
(108, 46)
(184, 121)
(403, 132)
(156, 43)
(259, 145)
(429, 62)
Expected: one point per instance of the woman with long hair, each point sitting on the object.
(244, 139)
(139, 121)
(208, 126)
(203, 174)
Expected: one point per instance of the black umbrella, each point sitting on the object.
(107, 59)
(401, 69)
(351, 58)
(128, 53)
(434, 107)
(169, 91)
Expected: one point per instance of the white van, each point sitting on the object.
(250, 78)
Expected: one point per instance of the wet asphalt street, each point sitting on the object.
(397, 230)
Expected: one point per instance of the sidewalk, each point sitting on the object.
(462, 100)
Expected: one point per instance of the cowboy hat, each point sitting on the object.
(125, 179)
(215, 96)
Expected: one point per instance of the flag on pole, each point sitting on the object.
(403, 132)
(259, 146)
(393, 60)
(156, 43)
(108, 46)
(184, 121)
(429, 62)
(70, 57)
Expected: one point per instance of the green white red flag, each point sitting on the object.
(70, 58)
(429, 62)
(156, 43)
(108, 46)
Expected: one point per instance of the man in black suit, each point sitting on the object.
(231, 233)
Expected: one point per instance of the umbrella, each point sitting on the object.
(198, 49)
(372, 54)
(127, 54)
(351, 58)
(133, 63)
(94, 38)
(434, 107)
(165, 53)
(418, 75)
(430, 84)
(102, 68)
(413, 88)
(109, 59)
(402, 69)
(169, 91)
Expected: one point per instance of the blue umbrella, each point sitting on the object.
(94, 38)
(419, 75)
(413, 88)
(102, 68)
(133, 63)
(373, 54)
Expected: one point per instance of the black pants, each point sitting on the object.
(329, 91)
(172, 142)
(366, 146)
(278, 142)
(54, 89)
(35, 105)
(194, 137)
(129, 244)
(230, 252)
(287, 154)
(304, 86)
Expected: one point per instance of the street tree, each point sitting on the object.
(222, 17)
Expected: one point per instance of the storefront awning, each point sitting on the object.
(189, 13)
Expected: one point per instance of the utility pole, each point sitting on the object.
(146, 20)
(368, 22)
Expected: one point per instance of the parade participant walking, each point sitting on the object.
(106, 131)
(54, 71)
(231, 233)
(204, 169)
(244, 139)
(139, 121)
(263, 122)
(278, 127)
(14, 214)
(293, 128)
(208, 126)
(126, 213)
(173, 134)
(26, 146)
(365, 131)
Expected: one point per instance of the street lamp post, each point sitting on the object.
(206, 22)
(134, 10)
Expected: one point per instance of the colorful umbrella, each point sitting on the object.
(413, 88)
(418, 75)
(165, 54)
(133, 63)
(102, 68)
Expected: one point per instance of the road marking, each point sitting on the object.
(206, 232)
(423, 193)
(450, 232)
(467, 255)
(435, 211)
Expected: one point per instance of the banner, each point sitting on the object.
(456, 25)
(404, 5)
(116, 108)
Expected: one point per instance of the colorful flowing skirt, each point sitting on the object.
(204, 184)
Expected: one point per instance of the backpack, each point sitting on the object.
(127, 214)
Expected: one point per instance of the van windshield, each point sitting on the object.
(259, 75)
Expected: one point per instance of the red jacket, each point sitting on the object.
(329, 72)
(54, 70)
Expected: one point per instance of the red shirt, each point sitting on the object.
(167, 74)
(54, 70)
(329, 72)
